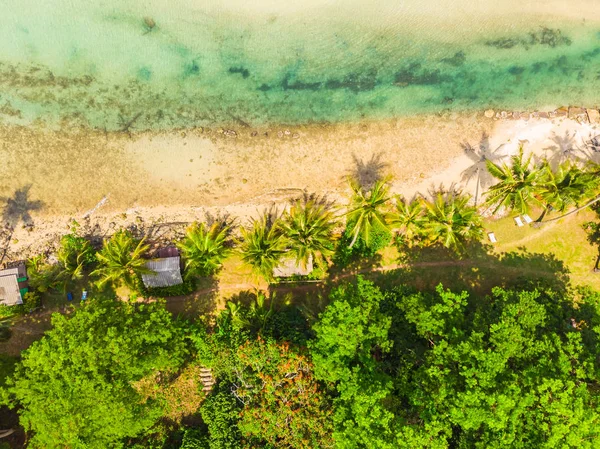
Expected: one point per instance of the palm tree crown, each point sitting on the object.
(73, 255)
(308, 226)
(367, 210)
(517, 185)
(564, 187)
(451, 221)
(263, 245)
(121, 260)
(409, 218)
(204, 249)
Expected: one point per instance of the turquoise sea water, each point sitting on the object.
(176, 64)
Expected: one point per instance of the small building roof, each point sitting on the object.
(10, 293)
(290, 267)
(166, 270)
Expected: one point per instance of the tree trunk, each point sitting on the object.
(544, 212)
(354, 239)
(589, 203)
(477, 185)
(6, 432)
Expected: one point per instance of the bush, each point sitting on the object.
(8, 311)
(194, 439)
(380, 238)
(31, 301)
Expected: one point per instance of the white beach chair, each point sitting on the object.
(492, 237)
(518, 221)
(527, 219)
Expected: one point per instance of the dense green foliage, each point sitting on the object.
(515, 369)
(76, 385)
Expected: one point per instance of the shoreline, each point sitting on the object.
(243, 174)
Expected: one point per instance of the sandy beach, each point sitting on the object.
(158, 183)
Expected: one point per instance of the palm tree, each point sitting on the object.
(73, 256)
(564, 187)
(263, 245)
(41, 274)
(409, 218)
(451, 221)
(204, 249)
(517, 186)
(308, 226)
(367, 210)
(480, 157)
(121, 261)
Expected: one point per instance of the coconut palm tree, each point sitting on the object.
(517, 184)
(308, 226)
(565, 187)
(263, 245)
(367, 210)
(74, 254)
(451, 221)
(121, 261)
(204, 249)
(479, 157)
(409, 219)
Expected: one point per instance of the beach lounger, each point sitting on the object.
(492, 237)
(518, 221)
(527, 219)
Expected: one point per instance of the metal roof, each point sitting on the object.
(290, 267)
(9, 287)
(166, 272)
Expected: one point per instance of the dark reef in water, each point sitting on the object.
(354, 82)
(546, 36)
(241, 70)
(416, 75)
(457, 60)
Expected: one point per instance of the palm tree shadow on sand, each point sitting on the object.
(367, 173)
(565, 149)
(479, 157)
(19, 207)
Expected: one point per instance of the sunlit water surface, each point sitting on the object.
(182, 63)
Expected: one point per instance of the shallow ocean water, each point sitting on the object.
(162, 65)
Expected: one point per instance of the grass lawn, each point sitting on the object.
(564, 238)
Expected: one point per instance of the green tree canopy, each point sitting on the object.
(512, 369)
(76, 384)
